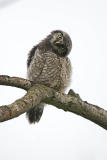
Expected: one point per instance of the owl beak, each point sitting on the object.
(59, 42)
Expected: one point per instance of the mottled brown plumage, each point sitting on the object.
(49, 65)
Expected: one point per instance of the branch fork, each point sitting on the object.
(37, 93)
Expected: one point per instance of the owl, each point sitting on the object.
(49, 65)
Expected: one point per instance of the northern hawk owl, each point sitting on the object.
(49, 65)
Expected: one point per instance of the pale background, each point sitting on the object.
(59, 135)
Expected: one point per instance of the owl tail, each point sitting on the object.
(35, 113)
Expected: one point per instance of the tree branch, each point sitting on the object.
(15, 82)
(37, 93)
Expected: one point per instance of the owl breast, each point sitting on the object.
(55, 73)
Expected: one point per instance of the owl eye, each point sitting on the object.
(59, 36)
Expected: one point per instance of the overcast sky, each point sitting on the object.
(59, 135)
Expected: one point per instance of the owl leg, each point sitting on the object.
(35, 113)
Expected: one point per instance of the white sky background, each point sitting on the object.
(59, 135)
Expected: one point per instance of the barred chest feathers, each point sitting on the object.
(51, 70)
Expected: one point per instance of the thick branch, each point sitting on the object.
(39, 93)
(73, 103)
(33, 97)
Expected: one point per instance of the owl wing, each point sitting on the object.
(31, 55)
(35, 63)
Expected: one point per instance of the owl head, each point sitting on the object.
(60, 42)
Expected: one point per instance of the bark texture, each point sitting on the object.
(37, 93)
